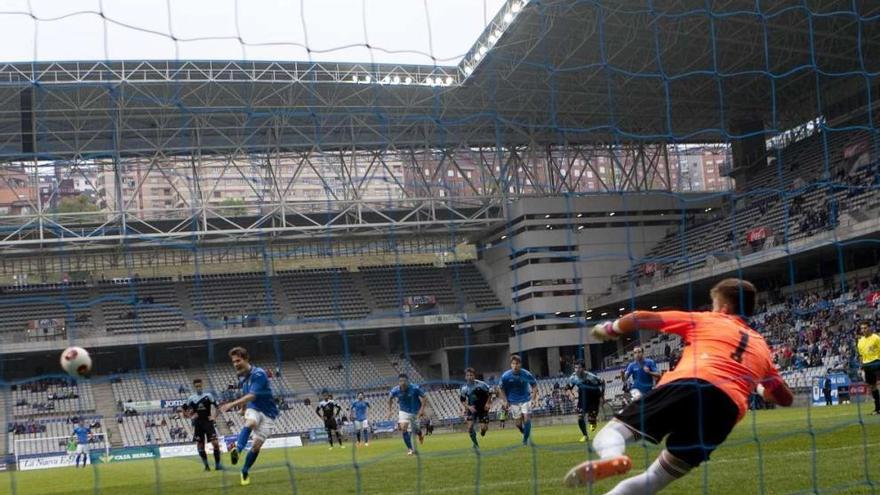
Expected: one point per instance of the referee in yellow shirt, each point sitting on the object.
(869, 352)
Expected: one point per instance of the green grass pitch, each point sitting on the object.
(839, 456)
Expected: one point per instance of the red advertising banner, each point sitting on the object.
(757, 234)
(873, 298)
(858, 389)
(419, 304)
(46, 323)
(420, 300)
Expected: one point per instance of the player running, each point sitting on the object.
(696, 405)
(643, 372)
(475, 403)
(358, 411)
(328, 409)
(590, 391)
(260, 412)
(82, 434)
(198, 408)
(411, 400)
(518, 392)
(869, 352)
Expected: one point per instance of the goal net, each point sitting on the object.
(358, 190)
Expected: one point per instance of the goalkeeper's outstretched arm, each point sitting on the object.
(773, 389)
(637, 320)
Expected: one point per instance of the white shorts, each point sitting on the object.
(362, 425)
(517, 410)
(264, 426)
(82, 448)
(408, 421)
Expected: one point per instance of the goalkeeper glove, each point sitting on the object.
(606, 331)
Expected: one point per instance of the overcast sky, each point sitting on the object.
(143, 29)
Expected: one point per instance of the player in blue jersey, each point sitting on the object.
(358, 411)
(587, 391)
(518, 392)
(411, 400)
(643, 372)
(260, 412)
(82, 434)
(475, 402)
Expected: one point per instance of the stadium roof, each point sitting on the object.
(559, 72)
(358, 31)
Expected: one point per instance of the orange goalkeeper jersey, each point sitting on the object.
(720, 349)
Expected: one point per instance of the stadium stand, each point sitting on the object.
(300, 418)
(784, 324)
(445, 404)
(793, 196)
(233, 299)
(140, 305)
(788, 326)
(296, 418)
(20, 306)
(323, 294)
(156, 429)
(390, 285)
(401, 364)
(222, 377)
(151, 385)
(804, 328)
(801, 380)
(52, 397)
(472, 286)
(811, 331)
(337, 373)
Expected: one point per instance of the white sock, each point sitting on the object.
(658, 476)
(611, 440)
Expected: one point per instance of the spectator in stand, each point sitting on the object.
(787, 355)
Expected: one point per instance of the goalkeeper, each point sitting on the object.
(695, 406)
(71, 446)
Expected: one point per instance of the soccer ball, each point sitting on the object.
(76, 362)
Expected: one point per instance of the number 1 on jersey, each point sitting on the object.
(741, 348)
